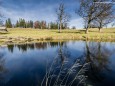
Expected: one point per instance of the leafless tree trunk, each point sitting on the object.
(63, 17)
(100, 26)
(87, 11)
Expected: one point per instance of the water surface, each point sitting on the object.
(27, 64)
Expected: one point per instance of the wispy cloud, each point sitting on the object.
(39, 10)
(34, 14)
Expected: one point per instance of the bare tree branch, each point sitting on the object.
(63, 17)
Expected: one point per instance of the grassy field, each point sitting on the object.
(36, 34)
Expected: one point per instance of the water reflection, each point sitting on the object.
(99, 56)
(63, 51)
(2, 68)
(41, 45)
(60, 73)
(56, 62)
(95, 62)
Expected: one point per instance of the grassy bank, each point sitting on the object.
(16, 34)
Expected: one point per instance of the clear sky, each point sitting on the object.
(39, 10)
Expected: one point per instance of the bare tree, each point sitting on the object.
(106, 16)
(89, 10)
(63, 17)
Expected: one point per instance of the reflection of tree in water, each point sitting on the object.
(25, 47)
(53, 44)
(63, 73)
(31, 46)
(11, 48)
(60, 73)
(2, 68)
(94, 60)
(40, 45)
(22, 47)
(98, 56)
(63, 51)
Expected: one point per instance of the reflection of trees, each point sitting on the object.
(31, 46)
(53, 44)
(63, 51)
(61, 72)
(2, 68)
(11, 48)
(22, 47)
(98, 55)
(40, 45)
(62, 57)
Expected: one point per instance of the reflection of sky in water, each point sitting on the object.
(27, 68)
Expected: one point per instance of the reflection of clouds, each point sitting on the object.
(79, 45)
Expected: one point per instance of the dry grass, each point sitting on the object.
(107, 34)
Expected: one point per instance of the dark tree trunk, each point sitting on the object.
(88, 53)
(99, 50)
(100, 26)
(88, 26)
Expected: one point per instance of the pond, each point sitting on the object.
(71, 63)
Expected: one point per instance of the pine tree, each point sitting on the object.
(22, 23)
(31, 24)
(53, 25)
(17, 24)
(8, 23)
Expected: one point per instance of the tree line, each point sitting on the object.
(22, 23)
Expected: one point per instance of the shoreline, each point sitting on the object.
(15, 35)
(23, 40)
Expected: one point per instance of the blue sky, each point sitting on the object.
(39, 10)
